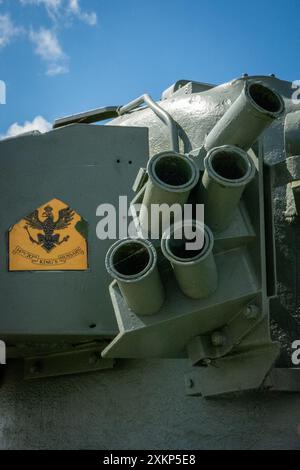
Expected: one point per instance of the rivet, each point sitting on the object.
(251, 312)
(35, 368)
(217, 338)
(93, 359)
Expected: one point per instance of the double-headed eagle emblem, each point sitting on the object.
(48, 240)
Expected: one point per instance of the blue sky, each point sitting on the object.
(59, 57)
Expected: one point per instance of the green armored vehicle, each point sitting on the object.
(157, 328)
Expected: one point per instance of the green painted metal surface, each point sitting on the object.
(250, 238)
(190, 298)
(76, 164)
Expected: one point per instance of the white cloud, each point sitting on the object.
(52, 6)
(89, 18)
(38, 124)
(45, 40)
(47, 3)
(7, 30)
(57, 9)
(47, 47)
(55, 69)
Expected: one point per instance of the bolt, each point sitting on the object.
(217, 339)
(252, 312)
(93, 359)
(35, 368)
(206, 362)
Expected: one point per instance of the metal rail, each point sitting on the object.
(88, 117)
(163, 115)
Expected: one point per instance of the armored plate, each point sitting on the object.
(42, 177)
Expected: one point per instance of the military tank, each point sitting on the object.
(143, 315)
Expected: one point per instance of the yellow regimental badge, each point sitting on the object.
(53, 237)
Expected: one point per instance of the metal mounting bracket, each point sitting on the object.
(220, 343)
(286, 171)
(236, 372)
(283, 380)
(84, 359)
